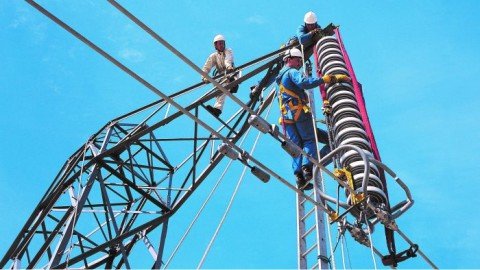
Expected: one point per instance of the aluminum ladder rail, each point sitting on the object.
(311, 238)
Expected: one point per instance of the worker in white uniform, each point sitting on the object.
(222, 60)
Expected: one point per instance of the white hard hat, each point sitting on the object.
(292, 53)
(310, 18)
(295, 52)
(218, 38)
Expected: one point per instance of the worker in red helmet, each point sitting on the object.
(309, 28)
(296, 117)
(222, 60)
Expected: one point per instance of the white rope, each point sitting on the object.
(198, 214)
(182, 239)
(200, 210)
(347, 252)
(342, 239)
(342, 251)
(232, 198)
(371, 243)
(328, 227)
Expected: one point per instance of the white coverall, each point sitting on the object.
(221, 61)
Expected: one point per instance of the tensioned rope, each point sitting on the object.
(342, 238)
(182, 239)
(232, 198)
(344, 243)
(371, 242)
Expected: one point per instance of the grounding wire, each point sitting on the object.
(227, 210)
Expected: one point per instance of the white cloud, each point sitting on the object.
(132, 55)
(19, 20)
(24, 19)
(21, 16)
(256, 19)
(178, 79)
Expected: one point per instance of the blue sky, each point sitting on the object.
(418, 63)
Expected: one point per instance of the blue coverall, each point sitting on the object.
(303, 35)
(296, 117)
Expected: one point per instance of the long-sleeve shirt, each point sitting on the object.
(303, 35)
(220, 60)
(293, 80)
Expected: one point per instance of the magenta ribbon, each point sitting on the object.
(359, 97)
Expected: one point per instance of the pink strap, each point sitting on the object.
(359, 97)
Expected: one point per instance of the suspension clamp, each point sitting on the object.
(228, 151)
(359, 235)
(259, 123)
(386, 218)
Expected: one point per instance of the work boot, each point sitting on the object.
(216, 112)
(234, 89)
(301, 183)
(307, 173)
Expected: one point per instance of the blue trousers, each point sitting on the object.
(301, 133)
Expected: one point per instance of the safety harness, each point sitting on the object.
(295, 105)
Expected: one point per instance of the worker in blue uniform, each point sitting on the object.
(296, 117)
(309, 28)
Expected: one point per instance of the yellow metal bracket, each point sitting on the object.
(346, 176)
(333, 216)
